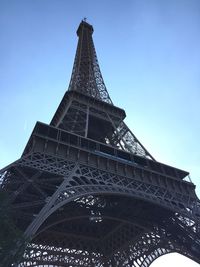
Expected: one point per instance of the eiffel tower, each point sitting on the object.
(86, 192)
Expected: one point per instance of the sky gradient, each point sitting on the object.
(149, 56)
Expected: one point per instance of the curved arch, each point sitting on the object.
(138, 187)
(71, 193)
(66, 194)
(110, 188)
(152, 251)
(71, 197)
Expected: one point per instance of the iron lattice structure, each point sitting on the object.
(85, 192)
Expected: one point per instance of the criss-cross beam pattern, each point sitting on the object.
(85, 191)
(86, 75)
(86, 108)
(78, 215)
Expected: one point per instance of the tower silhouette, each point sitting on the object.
(86, 192)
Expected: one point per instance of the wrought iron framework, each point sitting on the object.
(85, 192)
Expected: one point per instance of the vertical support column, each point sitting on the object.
(87, 122)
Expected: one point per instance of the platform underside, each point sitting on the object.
(96, 218)
(96, 223)
(106, 230)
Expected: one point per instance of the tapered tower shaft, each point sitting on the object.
(86, 108)
(86, 75)
(86, 192)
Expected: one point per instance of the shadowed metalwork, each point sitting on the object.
(85, 191)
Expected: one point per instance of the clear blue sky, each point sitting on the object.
(149, 56)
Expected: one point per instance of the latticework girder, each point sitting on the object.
(87, 193)
(69, 209)
(86, 75)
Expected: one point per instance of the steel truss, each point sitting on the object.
(136, 238)
(77, 114)
(86, 75)
(87, 193)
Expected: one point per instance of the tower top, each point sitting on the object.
(84, 26)
(86, 75)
